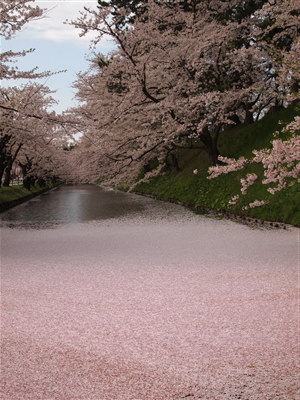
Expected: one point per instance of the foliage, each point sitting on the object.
(160, 91)
(163, 87)
(15, 14)
(31, 136)
(197, 190)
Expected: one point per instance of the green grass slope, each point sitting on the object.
(197, 190)
(13, 195)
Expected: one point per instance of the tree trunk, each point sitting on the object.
(248, 115)
(236, 119)
(27, 180)
(2, 168)
(3, 155)
(175, 163)
(23, 169)
(276, 106)
(210, 141)
(3, 142)
(8, 168)
(7, 172)
(3, 163)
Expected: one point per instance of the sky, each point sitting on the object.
(57, 47)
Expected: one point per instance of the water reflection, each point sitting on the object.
(82, 204)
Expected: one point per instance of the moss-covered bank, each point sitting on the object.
(202, 193)
(13, 195)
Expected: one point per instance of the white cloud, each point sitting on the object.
(54, 42)
(52, 26)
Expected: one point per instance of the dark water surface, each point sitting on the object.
(83, 203)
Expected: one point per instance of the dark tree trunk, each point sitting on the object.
(7, 172)
(175, 163)
(41, 182)
(3, 163)
(23, 169)
(210, 141)
(276, 106)
(3, 142)
(248, 115)
(295, 86)
(2, 168)
(236, 119)
(171, 159)
(3, 155)
(8, 168)
(27, 182)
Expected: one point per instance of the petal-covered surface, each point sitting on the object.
(176, 306)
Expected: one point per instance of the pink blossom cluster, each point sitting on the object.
(234, 200)
(256, 203)
(231, 166)
(281, 165)
(14, 14)
(247, 182)
(293, 126)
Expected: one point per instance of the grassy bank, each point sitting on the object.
(14, 195)
(197, 190)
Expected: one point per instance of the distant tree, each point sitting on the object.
(30, 135)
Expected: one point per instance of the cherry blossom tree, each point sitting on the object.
(147, 63)
(278, 32)
(14, 14)
(29, 134)
(163, 87)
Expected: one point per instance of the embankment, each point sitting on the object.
(203, 195)
(14, 195)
